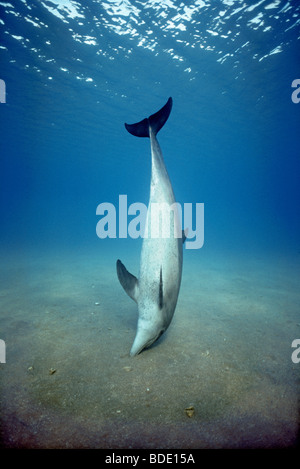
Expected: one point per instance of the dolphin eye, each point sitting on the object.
(154, 339)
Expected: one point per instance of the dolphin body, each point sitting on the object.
(156, 291)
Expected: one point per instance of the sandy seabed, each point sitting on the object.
(68, 380)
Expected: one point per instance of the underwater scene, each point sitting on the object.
(214, 364)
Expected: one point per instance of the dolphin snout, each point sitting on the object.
(144, 339)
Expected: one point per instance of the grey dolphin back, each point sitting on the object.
(156, 122)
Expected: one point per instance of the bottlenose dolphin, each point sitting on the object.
(156, 291)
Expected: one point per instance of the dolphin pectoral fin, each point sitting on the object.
(128, 281)
(160, 294)
(156, 121)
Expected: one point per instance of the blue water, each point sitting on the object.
(74, 73)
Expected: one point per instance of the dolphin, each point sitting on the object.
(157, 288)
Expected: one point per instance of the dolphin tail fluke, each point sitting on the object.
(155, 121)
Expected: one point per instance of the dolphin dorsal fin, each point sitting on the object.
(128, 281)
(184, 235)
